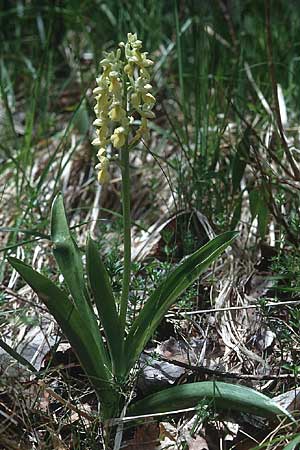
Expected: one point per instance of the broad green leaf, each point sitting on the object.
(167, 293)
(68, 258)
(222, 396)
(293, 444)
(67, 254)
(74, 327)
(105, 303)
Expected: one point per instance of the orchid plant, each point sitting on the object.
(106, 344)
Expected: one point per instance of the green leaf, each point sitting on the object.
(17, 356)
(263, 219)
(21, 230)
(68, 258)
(254, 200)
(236, 215)
(240, 160)
(222, 395)
(259, 208)
(293, 444)
(167, 293)
(74, 327)
(81, 119)
(105, 303)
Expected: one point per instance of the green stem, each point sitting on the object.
(127, 236)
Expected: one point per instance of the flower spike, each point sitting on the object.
(122, 93)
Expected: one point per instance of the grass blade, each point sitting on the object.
(223, 396)
(293, 444)
(17, 356)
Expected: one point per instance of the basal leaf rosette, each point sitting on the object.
(123, 94)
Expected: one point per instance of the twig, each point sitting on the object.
(21, 298)
(66, 403)
(232, 308)
(219, 373)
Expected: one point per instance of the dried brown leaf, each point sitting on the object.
(146, 437)
(198, 444)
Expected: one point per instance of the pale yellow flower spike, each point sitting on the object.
(122, 92)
